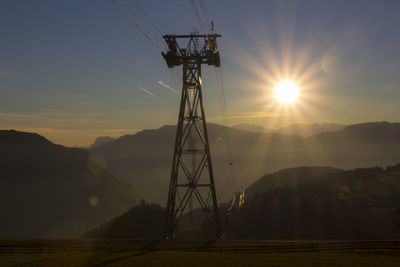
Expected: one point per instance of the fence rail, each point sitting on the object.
(219, 246)
(344, 246)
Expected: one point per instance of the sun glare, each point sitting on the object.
(286, 92)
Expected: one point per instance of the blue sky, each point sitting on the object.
(71, 70)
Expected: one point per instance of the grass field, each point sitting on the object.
(117, 253)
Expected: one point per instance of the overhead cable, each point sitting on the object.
(199, 18)
(147, 16)
(136, 25)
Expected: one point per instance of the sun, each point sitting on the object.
(286, 92)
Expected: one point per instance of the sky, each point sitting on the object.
(75, 70)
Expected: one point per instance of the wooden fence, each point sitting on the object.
(219, 246)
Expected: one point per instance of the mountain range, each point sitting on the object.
(321, 203)
(47, 190)
(295, 203)
(144, 159)
(301, 129)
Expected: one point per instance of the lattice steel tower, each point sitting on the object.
(192, 172)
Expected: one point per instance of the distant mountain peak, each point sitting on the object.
(374, 124)
(249, 127)
(102, 140)
(309, 129)
(370, 131)
(8, 137)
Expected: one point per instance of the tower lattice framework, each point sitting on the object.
(192, 172)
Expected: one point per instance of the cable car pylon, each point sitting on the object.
(192, 170)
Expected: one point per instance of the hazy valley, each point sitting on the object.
(65, 191)
(144, 159)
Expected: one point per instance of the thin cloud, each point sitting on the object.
(167, 86)
(9, 74)
(49, 110)
(249, 115)
(148, 92)
(67, 114)
(19, 116)
(93, 132)
(73, 137)
(52, 115)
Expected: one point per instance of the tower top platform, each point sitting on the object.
(195, 50)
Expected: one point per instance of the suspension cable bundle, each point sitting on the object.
(133, 18)
(237, 197)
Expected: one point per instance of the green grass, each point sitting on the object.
(76, 252)
(181, 258)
